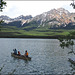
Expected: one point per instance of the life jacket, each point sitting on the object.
(26, 54)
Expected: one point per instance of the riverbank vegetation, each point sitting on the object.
(14, 32)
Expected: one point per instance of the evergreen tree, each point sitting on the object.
(2, 5)
(73, 4)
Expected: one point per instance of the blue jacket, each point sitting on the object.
(15, 51)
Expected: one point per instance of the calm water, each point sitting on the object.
(47, 57)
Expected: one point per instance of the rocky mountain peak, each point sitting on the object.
(21, 17)
(62, 10)
(52, 18)
(4, 17)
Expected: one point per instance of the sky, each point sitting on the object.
(17, 8)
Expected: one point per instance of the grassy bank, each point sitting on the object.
(13, 32)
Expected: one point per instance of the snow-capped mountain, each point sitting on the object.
(53, 18)
(8, 19)
(23, 17)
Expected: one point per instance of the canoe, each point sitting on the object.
(20, 57)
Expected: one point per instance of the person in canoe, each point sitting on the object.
(19, 53)
(26, 53)
(15, 51)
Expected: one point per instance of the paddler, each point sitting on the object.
(19, 53)
(15, 51)
(26, 53)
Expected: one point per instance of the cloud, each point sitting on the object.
(16, 8)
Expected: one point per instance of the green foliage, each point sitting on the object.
(1, 68)
(0, 24)
(74, 18)
(1, 21)
(73, 4)
(72, 33)
(2, 4)
(60, 39)
(67, 42)
(62, 45)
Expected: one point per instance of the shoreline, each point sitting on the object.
(36, 37)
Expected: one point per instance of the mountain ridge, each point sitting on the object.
(52, 19)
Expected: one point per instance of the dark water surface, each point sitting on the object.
(47, 57)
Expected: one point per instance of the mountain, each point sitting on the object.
(19, 18)
(4, 17)
(55, 18)
(23, 17)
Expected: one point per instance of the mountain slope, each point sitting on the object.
(55, 18)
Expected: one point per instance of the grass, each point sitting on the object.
(39, 32)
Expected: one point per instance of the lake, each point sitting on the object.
(47, 57)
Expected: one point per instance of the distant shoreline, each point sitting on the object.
(35, 37)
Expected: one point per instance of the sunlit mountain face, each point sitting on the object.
(54, 18)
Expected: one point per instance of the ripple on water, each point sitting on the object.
(47, 57)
